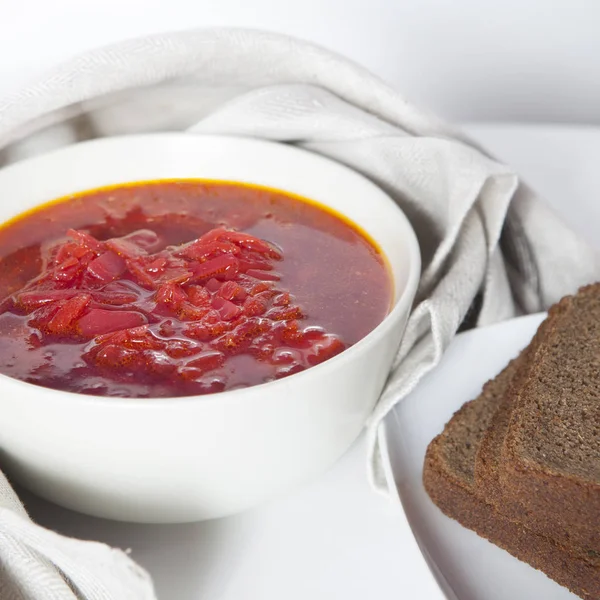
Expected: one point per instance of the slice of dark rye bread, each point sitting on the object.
(550, 457)
(488, 457)
(448, 476)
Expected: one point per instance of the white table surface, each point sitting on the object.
(334, 539)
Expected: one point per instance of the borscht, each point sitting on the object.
(176, 288)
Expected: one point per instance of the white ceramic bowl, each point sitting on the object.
(193, 458)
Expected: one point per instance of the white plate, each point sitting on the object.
(335, 539)
(466, 565)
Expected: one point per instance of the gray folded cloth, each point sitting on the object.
(491, 248)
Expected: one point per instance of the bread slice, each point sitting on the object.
(449, 479)
(550, 457)
(488, 457)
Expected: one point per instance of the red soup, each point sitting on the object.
(179, 288)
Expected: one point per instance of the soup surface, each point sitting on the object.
(175, 288)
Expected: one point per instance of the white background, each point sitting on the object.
(516, 60)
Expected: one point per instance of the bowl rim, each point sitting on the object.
(401, 305)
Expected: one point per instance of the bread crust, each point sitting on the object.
(547, 501)
(461, 504)
(489, 465)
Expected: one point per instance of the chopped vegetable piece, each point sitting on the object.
(106, 267)
(98, 321)
(64, 319)
(222, 267)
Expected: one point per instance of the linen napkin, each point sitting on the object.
(491, 248)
